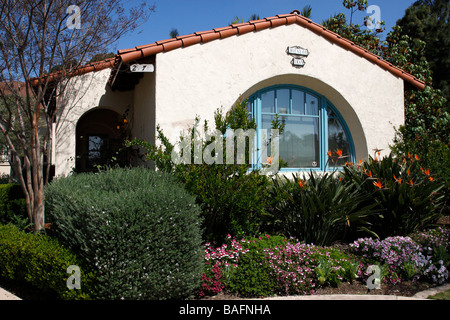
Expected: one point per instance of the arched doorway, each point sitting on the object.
(100, 135)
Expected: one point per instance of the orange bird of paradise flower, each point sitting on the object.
(339, 152)
(368, 173)
(301, 184)
(378, 184)
(399, 180)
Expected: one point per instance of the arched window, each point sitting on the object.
(313, 127)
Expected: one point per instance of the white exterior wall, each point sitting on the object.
(199, 79)
(5, 168)
(86, 92)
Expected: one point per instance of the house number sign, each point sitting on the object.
(142, 68)
(298, 53)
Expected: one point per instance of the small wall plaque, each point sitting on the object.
(298, 62)
(298, 51)
(298, 54)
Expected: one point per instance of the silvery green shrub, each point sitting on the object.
(137, 228)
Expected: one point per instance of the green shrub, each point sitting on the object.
(4, 178)
(334, 266)
(137, 228)
(409, 196)
(233, 200)
(12, 205)
(252, 276)
(42, 262)
(319, 209)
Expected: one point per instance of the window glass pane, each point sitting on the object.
(337, 139)
(298, 102)
(264, 136)
(250, 106)
(312, 105)
(299, 144)
(283, 101)
(96, 150)
(268, 102)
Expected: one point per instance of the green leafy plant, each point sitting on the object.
(232, 199)
(252, 276)
(13, 206)
(320, 209)
(409, 197)
(323, 271)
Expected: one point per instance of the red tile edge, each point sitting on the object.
(92, 67)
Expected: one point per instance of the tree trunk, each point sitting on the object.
(38, 213)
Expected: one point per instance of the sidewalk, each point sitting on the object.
(5, 295)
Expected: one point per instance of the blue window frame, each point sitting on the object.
(313, 127)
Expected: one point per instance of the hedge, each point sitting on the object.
(12, 205)
(42, 262)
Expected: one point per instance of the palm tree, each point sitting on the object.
(254, 17)
(306, 11)
(237, 20)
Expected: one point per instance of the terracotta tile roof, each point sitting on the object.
(127, 56)
(94, 66)
(130, 55)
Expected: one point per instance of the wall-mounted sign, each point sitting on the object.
(298, 62)
(298, 51)
(142, 68)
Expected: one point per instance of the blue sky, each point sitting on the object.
(200, 15)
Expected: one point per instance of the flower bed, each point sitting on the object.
(268, 265)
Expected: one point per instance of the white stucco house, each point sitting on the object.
(331, 93)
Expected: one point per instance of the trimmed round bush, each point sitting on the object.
(137, 228)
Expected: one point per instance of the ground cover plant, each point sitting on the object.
(274, 265)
